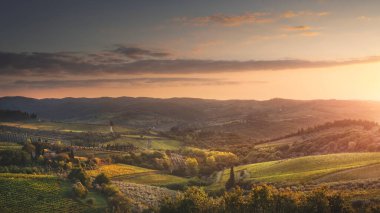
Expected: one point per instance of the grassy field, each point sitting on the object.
(303, 169)
(40, 193)
(158, 143)
(361, 173)
(154, 179)
(9, 146)
(97, 153)
(134, 174)
(114, 170)
(65, 127)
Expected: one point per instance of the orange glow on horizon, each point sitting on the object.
(345, 82)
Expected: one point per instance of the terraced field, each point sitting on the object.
(133, 174)
(303, 169)
(38, 193)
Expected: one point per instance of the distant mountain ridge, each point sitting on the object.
(258, 119)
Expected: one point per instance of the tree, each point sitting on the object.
(231, 181)
(79, 174)
(261, 199)
(194, 199)
(29, 148)
(101, 179)
(317, 201)
(71, 155)
(192, 166)
(234, 200)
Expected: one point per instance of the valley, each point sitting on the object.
(88, 165)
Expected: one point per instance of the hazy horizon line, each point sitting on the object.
(177, 97)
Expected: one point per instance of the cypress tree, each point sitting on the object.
(231, 181)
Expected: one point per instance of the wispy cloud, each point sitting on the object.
(310, 33)
(364, 18)
(55, 64)
(139, 53)
(293, 14)
(302, 30)
(227, 20)
(297, 28)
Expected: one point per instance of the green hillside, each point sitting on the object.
(302, 169)
(361, 173)
(157, 142)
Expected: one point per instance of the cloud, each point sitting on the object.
(364, 18)
(119, 83)
(139, 53)
(245, 18)
(42, 63)
(302, 30)
(227, 20)
(297, 28)
(310, 33)
(65, 64)
(73, 62)
(293, 14)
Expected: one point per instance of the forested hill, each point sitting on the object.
(16, 115)
(258, 119)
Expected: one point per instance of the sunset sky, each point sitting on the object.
(241, 49)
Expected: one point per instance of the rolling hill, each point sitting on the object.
(250, 118)
(332, 137)
(320, 168)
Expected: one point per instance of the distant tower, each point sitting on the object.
(111, 126)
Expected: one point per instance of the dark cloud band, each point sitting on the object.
(51, 84)
(53, 64)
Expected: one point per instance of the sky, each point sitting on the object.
(214, 49)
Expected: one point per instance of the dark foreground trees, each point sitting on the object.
(261, 199)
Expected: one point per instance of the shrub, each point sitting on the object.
(110, 190)
(192, 166)
(176, 186)
(119, 203)
(79, 190)
(80, 175)
(101, 179)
